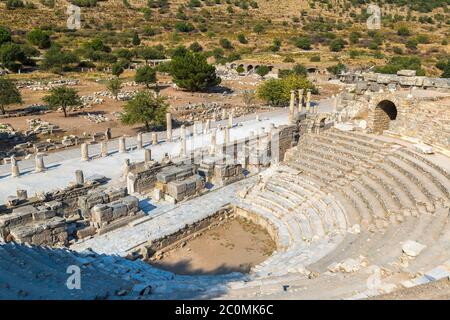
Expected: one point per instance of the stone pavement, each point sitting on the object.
(164, 220)
(61, 166)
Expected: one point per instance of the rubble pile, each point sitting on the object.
(39, 126)
(46, 85)
(96, 118)
(210, 110)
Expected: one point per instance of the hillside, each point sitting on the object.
(272, 31)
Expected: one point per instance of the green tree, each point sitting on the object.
(192, 72)
(9, 94)
(117, 69)
(277, 91)
(262, 71)
(337, 69)
(5, 35)
(225, 43)
(40, 38)
(58, 60)
(337, 45)
(13, 56)
(303, 43)
(114, 85)
(242, 39)
(145, 108)
(196, 47)
(62, 97)
(145, 75)
(403, 31)
(135, 40)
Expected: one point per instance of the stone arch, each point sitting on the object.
(383, 111)
(249, 68)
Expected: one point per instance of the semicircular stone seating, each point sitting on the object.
(346, 202)
(343, 206)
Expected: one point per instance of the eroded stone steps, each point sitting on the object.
(389, 195)
(349, 153)
(347, 144)
(360, 138)
(325, 163)
(430, 163)
(375, 147)
(320, 167)
(430, 187)
(347, 163)
(441, 181)
(371, 199)
(437, 239)
(351, 212)
(403, 194)
(420, 200)
(317, 176)
(359, 204)
(283, 233)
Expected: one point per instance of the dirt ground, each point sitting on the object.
(234, 246)
(437, 290)
(76, 124)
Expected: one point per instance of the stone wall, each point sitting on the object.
(427, 121)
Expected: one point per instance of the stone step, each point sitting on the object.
(440, 180)
(351, 211)
(375, 146)
(347, 144)
(404, 196)
(371, 201)
(420, 200)
(360, 205)
(429, 185)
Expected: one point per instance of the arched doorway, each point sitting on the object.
(384, 113)
(249, 68)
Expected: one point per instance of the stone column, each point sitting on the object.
(84, 152)
(226, 135)
(257, 117)
(126, 167)
(300, 100)
(79, 177)
(334, 100)
(183, 140)
(140, 144)
(230, 120)
(39, 163)
(291, 107)
(213, 141)
(154, 138)
(122, 145)
(235, 150)
(104, 149)
(147, 155)
(208, 124)
(308, 101)
(15, 172)
(169, 126)
(224, 113)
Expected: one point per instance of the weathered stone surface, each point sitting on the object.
(412, 248)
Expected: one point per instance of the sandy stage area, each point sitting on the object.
(234, 246)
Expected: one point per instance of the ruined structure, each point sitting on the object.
(357, 200)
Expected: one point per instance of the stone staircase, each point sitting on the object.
(343, 205)
(390, 191)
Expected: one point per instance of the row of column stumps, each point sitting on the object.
(84, 147)
(301, 102)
